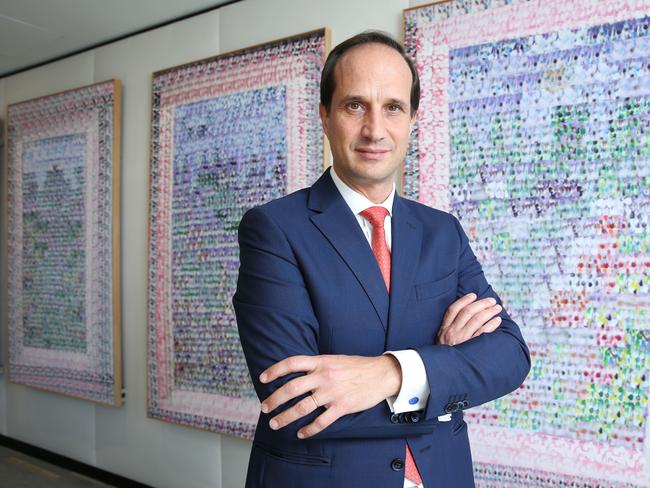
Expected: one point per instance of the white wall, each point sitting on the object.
(3, 331)
(123, 440)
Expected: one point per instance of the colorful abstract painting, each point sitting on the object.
(534, 129)
(228, 133)
(63, 235)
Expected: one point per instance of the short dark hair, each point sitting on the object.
(327, 84)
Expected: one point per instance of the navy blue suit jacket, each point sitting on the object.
(309, 284)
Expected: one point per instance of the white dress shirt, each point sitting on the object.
(414, 392)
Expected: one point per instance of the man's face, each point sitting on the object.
(369, 120)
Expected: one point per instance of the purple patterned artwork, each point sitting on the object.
(228, 133)
(63, 325)
(534, 131)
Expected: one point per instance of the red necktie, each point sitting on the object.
(376, 216)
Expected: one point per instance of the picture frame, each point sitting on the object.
(63, 234)
(228, 132)
(532, 123)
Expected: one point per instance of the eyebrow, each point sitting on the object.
(397, 101)
(359, 98)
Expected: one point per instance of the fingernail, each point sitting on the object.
(492, 300)
(301, 435)
(263, 377)
(265, 408)
(273, 424)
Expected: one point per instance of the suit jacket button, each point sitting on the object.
(451, 407)
(465, 404)
(402, 418)
(397, 464)
(394, 418)
(414, 417)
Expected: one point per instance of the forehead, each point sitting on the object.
(371, 67)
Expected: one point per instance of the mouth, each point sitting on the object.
(371, 153)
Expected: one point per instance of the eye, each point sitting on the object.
(354, 106)
(394, 107)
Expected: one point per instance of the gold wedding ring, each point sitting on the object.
(312, 397)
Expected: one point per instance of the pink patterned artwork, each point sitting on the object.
(228, 133)
(63, 235)
(534, 130)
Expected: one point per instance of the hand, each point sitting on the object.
(342, 384)
(467, 318)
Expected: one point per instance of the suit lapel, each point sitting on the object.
(340, 227)
(405, 255)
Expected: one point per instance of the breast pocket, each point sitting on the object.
(433, 289)
(433, 297)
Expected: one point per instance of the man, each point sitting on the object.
(334, 276)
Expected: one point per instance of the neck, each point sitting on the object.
(376, 192)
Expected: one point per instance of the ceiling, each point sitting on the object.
(37, 31)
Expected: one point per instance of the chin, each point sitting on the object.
(372, 177)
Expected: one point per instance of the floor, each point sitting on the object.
(20, 471)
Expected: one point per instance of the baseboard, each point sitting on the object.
(70, 464)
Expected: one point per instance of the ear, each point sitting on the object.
(323, 118)
(412, 121)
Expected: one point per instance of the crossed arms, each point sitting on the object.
(479, 349)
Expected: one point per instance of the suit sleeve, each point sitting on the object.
(483, 368)
(276, 320)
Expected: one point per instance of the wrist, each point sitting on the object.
(392, 373)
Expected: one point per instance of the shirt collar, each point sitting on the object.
(358, 202)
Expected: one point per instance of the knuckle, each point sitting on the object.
(302, 408)
(329, 374)
(291, 363)
(475, 321)
(463, 316)
(480, 321)
(291, 388)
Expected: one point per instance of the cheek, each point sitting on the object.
(346, 130)
(403, 138)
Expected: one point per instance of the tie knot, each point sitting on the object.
(375, 215)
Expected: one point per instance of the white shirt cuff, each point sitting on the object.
(414, 392)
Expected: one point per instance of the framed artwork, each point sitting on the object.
(228, 133)
(63, 243)
(534, 129)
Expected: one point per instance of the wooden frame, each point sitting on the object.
(63, 234)
(252, 115)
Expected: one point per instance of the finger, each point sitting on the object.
(293, 364)
(304, 407)
(456, 307)
(480, 319)
(490, 326)
(291, 389)
(324, 420)
(469, 311)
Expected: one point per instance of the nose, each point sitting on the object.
(374, 128)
